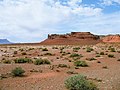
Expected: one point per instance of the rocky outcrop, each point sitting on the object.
(111, 38)
(72, 38)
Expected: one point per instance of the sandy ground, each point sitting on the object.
(53, 79)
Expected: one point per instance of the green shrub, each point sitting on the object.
(7, 61)
(24, 53)
(75, 55)
(23, 60)
(112, 49)
(18, 71)
(80, 64)
(89, 49)
(111, 55)
(97, 55)
(91, 59)
(41, 61)
(44, 49)
(102, 53)
(79, 82)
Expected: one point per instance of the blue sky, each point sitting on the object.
(32, 21)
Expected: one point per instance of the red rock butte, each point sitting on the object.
(73, 38)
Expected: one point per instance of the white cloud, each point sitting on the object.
(110, 2)
(31, 21)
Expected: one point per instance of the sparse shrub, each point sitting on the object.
(80, 64)
(23, 60)
(44, 49)
(91, 59)
(15, 52)
(50, 54)
(79, 82)
(97, 55)
(62, 65)
(71, 72)
(111, 55)
(24, 53)
(76, 49)
(105, 67)
(41, 61)
(112, 49)
(7, 61)
(89, 49)
(18, 71)
(75, 55)
(102, 53)
(98, 62)
(118, 60)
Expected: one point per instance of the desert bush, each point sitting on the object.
(111, 55)
(76, 49)
(91, 59)
(50, 54)
(24, 53)
(79, 82)
(44, 49)
(75, 55)
(102, 53)
(118, 60)
(105, 67)
(89, 49)
(18, 71)
(62, 65)
(7, 61)
(80, 64)
(97, 55)
(15, 52)
(23, 60)
(112, 49)
(41, 61)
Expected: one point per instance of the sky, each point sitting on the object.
(32, 20)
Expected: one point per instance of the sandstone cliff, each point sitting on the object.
(73, 38)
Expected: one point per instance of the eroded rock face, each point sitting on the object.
(72, 38)
(74, 35)
(111, 38)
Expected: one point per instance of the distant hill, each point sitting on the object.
(73, 38)
(5, 41)
(111, 38)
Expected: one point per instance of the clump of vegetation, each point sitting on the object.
(102, 53)
(98, 62)
(79, 82)
(71, 72)
(7, 61)
(76, 49)
(23, 60)
(41, 61)
(18, 71)
(75, 55)
(24, 53)
(105, 67)
(91, 59)
(118, 60)
(62, 65)
(49, 54)
(44, 49)
(111, 55)
(89, 49)
(97, 55)
(112, 50)
(15, 52)
(80, 64)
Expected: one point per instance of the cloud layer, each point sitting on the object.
(31, 21)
